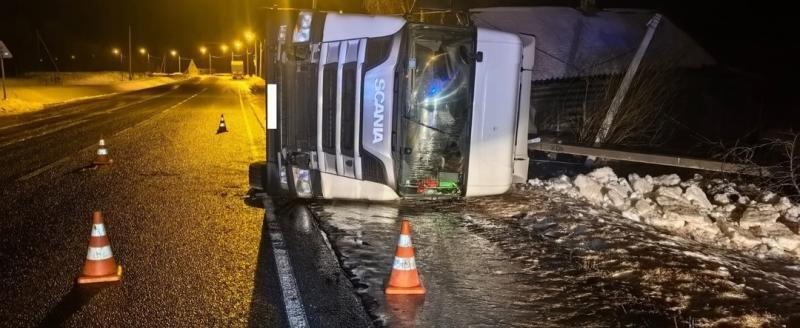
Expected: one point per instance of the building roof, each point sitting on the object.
(572, 44)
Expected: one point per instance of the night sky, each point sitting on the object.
(749, 38)
(93, 27)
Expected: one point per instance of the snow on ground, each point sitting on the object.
(38, 91)
(539, 258)
(715, 212)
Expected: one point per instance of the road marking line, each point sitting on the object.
(161, 113)
(43, 169)
(109, 96)
(60, 161)
(253, 110)
(295, 312)
(174, 86)
(83, 119)
(69, 125)
(253, 153)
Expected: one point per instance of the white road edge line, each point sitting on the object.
(295, 312)
(253, 153)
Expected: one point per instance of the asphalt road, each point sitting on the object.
(196, 248)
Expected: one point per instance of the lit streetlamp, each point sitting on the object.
(116, 51)
(249, 37)
(144, 52)
(204, 50)
(174, 53)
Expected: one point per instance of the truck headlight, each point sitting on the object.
(284, 179)
(302, 31)
(302, 182)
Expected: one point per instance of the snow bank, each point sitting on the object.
(714, 211)
(36, 92)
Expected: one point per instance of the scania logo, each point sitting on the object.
(377, 116)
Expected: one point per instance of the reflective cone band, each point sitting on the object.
(100, 265)
(404, 278)
(102, 154)
(222, 127)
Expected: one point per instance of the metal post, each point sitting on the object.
(179, 63)
(247, 59)
(3, 68)
(209, 62)
(130, 56)
(261, 58)
(626, 80)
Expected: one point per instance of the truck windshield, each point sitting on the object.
(435, 123)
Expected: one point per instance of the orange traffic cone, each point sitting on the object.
(100, 265)
(222, 127)
(404, 278)
(102, 154)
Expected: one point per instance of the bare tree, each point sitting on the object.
(781, 156)
(389, 7)
(643, 117)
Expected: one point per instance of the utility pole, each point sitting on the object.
(625, 85)
(3, 68)
(209, 62)
(4, 54)
(130, 56)
(626, 80)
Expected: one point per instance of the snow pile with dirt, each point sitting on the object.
(715, 211)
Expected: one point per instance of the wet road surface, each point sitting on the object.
(195, 247)
(199, 250)
(534, 259)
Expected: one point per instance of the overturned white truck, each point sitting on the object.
(379, 108)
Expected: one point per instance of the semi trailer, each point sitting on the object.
(379, 108)
(237, 69)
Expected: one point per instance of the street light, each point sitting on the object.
(116, 51)
(238, 46)
(250, 37)
(143, 51)
(174, 53)
(203, 51)
(224, 48)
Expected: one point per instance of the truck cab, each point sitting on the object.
(379, 108)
